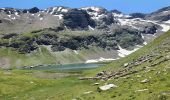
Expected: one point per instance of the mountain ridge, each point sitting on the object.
(62, 29)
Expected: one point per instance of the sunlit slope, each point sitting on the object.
(146, 78)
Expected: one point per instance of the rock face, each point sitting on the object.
(112, 28)
(77, 19)
(126, 36)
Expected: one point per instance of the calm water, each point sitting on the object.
(67, 67)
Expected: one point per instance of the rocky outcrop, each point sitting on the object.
(144, 63)
(77, 19)
(126, 36)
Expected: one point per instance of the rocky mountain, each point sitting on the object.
(59, 29)
(160, 15)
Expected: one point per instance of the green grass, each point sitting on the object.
(17, 60)
(143, 51)
(44, 56)
(24, 85)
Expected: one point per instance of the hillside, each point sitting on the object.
(143, 75)
(74, 35)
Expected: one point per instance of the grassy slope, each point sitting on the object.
(44, 54)
(143, 51)
(28, 87)
(16, 59)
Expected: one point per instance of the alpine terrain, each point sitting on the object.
(134, 50)
(85, 35)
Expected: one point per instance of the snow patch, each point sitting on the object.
(97, 9)
(143, 37)
(59, 8)
(123, 21)
(167, 22)
(9, 16)
(53, 10)
(41, 18)
(95, 12)
(101, 59)
(91, 28)
(123, 52)
(64, 10)
(75, 52)
(120, 15)
(165, 12)
(165, 28)
(7, 19)
(117, 15)
(13, 18)
(39, 15)
(16, 13)
(145, 43)
(10, 12)
(129, 22)
(59, 16)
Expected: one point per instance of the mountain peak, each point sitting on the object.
(57, 9)
(116, 11)
(94, 9)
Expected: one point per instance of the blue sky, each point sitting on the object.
(126, 6)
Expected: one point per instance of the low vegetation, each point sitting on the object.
(151, 83)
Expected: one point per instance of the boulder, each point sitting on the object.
(145, 81)
(142, 90)
(107, 87)
(126, 65)
(96, 83)
(88, 92)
